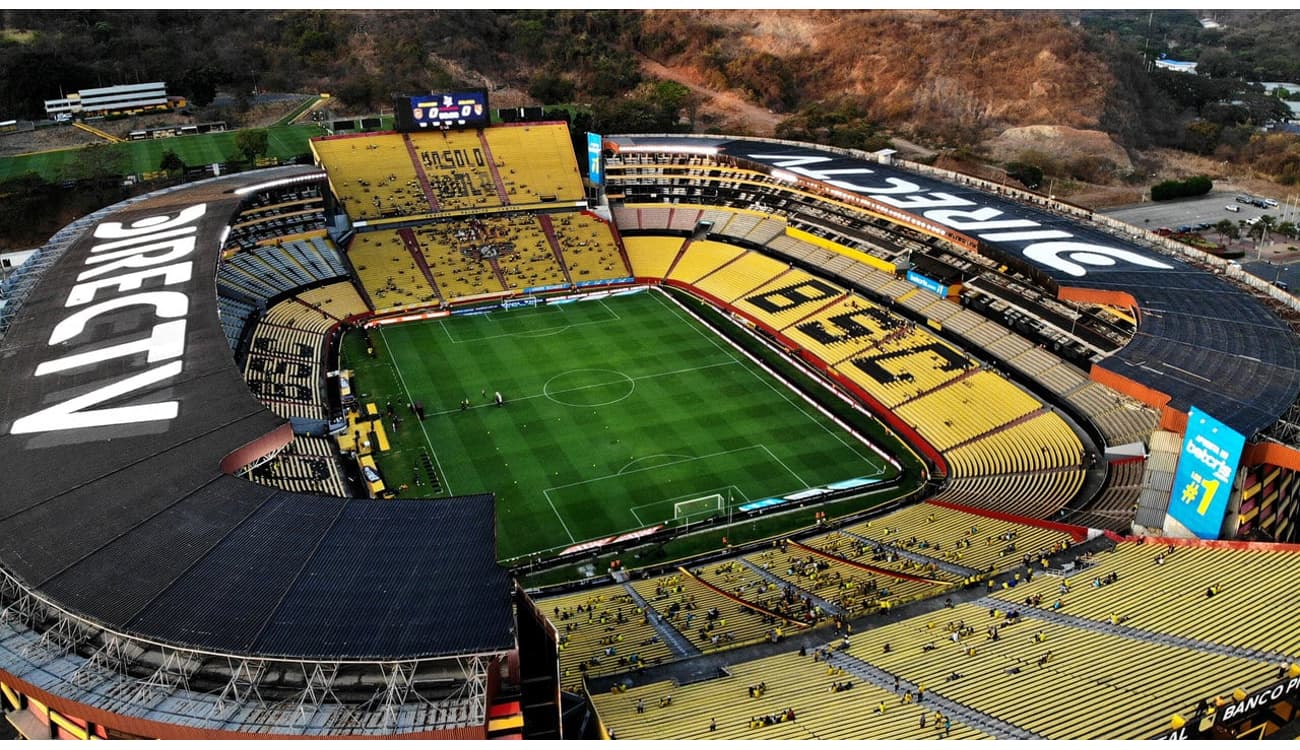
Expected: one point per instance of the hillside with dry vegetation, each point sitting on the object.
(1065, 96)
(958, 76)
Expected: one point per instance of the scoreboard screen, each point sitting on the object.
(457, 109)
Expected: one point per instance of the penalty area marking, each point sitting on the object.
(547, 492)
(702, 493)
(712, 337)
(636, 461)
(531, 333)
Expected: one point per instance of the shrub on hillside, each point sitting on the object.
(1170, 189)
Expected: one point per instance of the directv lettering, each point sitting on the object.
(981, 218)
(152, 245)
(1068, 257)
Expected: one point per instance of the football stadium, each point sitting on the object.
(462, 432)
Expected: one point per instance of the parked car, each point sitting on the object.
(1270, 203)
(1233, 207)
(1244, 199)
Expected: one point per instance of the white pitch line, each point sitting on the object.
(712, 339)
(656, 455)
(442, 322)
(718, 490)
(611, 312)
(445, 479)
(547, 494)
(656, 466)
(595, 385)
(797, 478)
(532, 333)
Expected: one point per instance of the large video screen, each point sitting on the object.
(1207, 465)
(456, 109)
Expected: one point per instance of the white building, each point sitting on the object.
(109, 99)
(1178, 66)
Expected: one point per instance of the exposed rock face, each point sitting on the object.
(1063, 144)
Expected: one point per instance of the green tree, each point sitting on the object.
(1201, 137)
(1226, 229)
(1215, 63)
(96, 161)
(171, 163)
(252, 143)
(358, 90)
(1267, 223)
(551, 88)
(1029, 175)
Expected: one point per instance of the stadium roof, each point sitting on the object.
(1201, 340)
(122, 412)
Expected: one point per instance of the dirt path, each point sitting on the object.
(726, 106)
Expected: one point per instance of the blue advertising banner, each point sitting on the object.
(927, 283)
(594, 169)
(1207, 465)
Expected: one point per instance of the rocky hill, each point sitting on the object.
(958, 76)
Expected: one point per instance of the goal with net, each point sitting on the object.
(699, 508)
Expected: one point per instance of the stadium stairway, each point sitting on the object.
(500, 184)
(420, 175)
(496, 269)
(548, 229)
(991, 725)
(709, 662)
(950, 567)
(1056, 616)
(781, 583)
(678, 257)
(681, 646)
(417, 254)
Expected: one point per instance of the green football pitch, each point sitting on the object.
(615, 410)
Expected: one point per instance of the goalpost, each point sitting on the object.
(698, 508)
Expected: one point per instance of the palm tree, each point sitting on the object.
(1226, 229)
(1268, 222)
(1258, 231)
(1287, 229)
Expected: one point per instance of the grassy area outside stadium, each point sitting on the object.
(617, 411)
(139, 157)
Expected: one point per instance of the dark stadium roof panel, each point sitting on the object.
(323, 578)
(122, 402)
(1216, 333)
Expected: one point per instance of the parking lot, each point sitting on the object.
(1210, 209)
(1274, 261)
